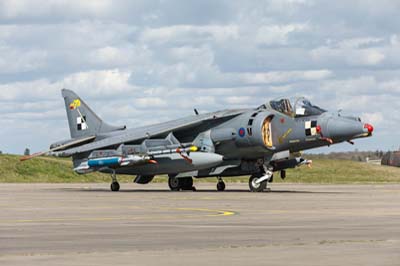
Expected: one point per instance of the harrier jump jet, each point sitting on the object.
(257, 142)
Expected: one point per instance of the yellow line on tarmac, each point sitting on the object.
(209, 213)
(214, 212)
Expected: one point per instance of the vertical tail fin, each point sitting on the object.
(81, 119)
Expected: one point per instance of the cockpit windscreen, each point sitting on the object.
(298, 107)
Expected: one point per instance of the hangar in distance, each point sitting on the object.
(256, 142)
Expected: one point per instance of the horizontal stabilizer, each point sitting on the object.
(72, 143)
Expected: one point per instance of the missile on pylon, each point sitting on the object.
(112, 161)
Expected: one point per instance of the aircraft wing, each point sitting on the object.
(138, 134)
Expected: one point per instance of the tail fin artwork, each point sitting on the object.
(83, 122)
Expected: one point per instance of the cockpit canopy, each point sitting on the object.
(295, 107)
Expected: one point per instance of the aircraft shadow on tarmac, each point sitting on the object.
(199, 191)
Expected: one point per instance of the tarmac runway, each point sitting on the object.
(86, 224)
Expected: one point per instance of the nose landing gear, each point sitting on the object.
(258, 182)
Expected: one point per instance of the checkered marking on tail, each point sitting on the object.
(311, 128)
(81, 123)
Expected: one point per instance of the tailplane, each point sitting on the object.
(82, 120)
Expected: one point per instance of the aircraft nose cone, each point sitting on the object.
(344, 129)
(369, 127)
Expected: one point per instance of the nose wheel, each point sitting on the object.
(255, 185)
(220, 185)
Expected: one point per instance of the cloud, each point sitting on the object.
(278, 34)
(352, 86)
(375, 118)
(14, 61)
(25, 91)
(346, 54)
(189, 33)
(355, 43)
(29, 8)
(103, 83)
(285, 77)
(150, 102)
(128, 57)
(97, 83)
(237, 99)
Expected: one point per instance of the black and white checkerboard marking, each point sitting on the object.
(81, 123)
(311, 128)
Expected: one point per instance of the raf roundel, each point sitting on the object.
(242, 132)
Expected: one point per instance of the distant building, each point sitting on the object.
(391, 158)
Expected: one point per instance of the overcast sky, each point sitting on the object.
(140, 62)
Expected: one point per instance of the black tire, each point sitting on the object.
(221, 186)
(174, 183)
(283, 174)
(115, 186)
(186, 183)
(256, 187)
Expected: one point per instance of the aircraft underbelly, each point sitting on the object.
(175, 163)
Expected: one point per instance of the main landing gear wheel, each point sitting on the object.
(187, 183)
(176, 184)
(254, 187)
(220, 185)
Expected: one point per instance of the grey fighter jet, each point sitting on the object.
(257, 142)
